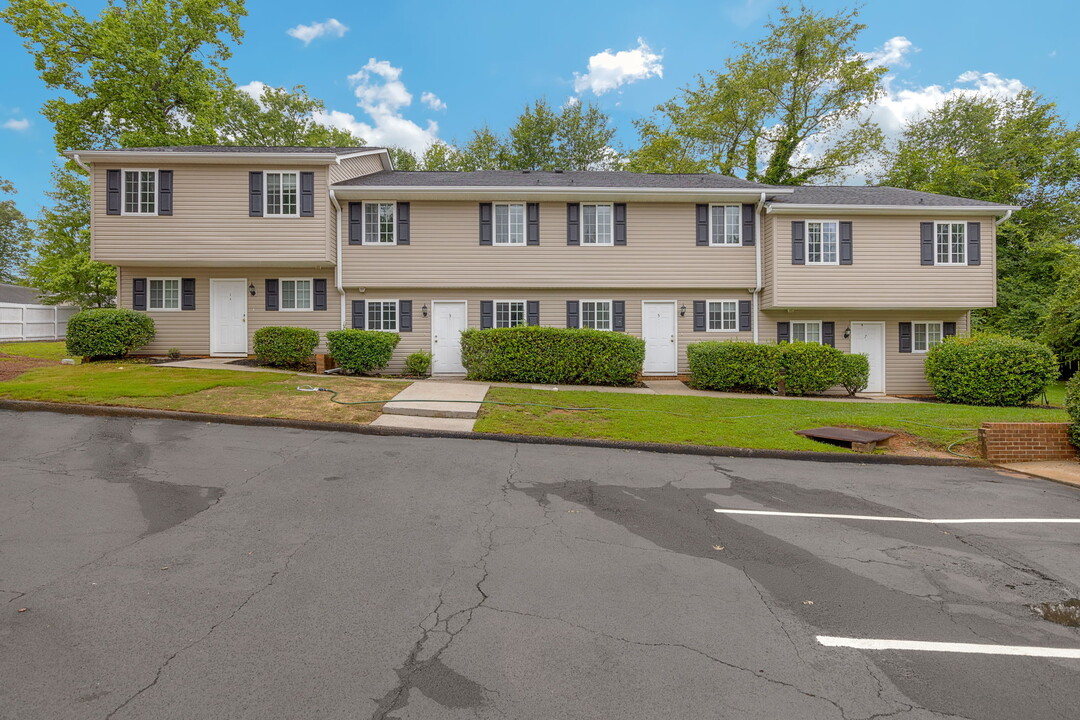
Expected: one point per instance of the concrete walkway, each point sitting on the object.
(434, 405)
(1063, 471)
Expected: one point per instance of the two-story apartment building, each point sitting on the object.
(216, 242)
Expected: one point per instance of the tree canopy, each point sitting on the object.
(15, 235)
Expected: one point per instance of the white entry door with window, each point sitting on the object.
(228, 317)
(661, 341)
(448, 319)
(868, 338)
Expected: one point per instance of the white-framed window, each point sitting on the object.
(380, 223)
(282, 192)
(925, 335)
(950, 243)
(597, 224)
(296, 294)
(596, 314)
(509, 223)
(163, 294)
(382, 315)
(822, 242)
(509, 313)
(140, 192)
(806, 331)
(722, 316)
(725, 225)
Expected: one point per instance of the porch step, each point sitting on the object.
(438, 399)
(418, 422)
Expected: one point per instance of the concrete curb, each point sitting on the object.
(704, 450)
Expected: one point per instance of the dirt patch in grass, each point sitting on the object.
(12, 366)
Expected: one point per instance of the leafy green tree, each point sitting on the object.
(15, 236)
(788, 110)
(439, 156)
(279, 117)
(62, 267)
(403, 158)
(583, 138)
(485, 150)
(145, 72)
(531, 140)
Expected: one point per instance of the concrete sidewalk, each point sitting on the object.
(1063, 471)
(434, 405)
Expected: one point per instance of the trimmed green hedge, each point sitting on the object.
(809, 367)
(418, 364)
(283, 346)
(362, 351)
(990, 370)
(108, 332)
(729, 365)
(1072, 404)
(552, 356)
(854, 373)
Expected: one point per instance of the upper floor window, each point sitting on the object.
(164, 294)
(725, 225)
(925, 335)
(296, 294)
(281, 194)
(597, 227)
(596, 314)
(382, 315)
(723, 315)
(822, 242)
(510, 224)
(809, 332)
(509, 313)
(950, 242)
(140, 192)
(379, 225)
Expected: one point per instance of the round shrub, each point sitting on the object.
(990, 370)
(854, 373)
(1072, 404)
(283, 346)
(108, 332)
(362, 351)
(809, 367)
(418, 364)
(730, 365)
(552, 356)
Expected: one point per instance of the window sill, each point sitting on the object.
(268, 216)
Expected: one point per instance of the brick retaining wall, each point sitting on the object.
(1023, 442)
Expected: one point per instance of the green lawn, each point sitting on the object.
(1055, 394)
(45, 350)
(751, 422)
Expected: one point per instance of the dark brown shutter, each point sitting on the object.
(744, 316)
(532, 312)
(828, 334)
(307, 194)
(783, 332)
(618, 315)
(974, 243)
(487, 314)
(318, 293)
(532, 223)
(845, 243)
(271, 294)
(798, 242)
(358, 314)
(356, 223)
(486, 231)
(187, 294)
(404, 316)
(948, 329)
(619, 211)
(112, 192)
(702, 227)
(699, 315)
(749, 220)
(164, 192)
(138, 294)
(255, 194)
(905, 335)
(926, 243)
(403, 223)
(573, 224)
(572, 318)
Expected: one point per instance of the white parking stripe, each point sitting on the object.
(872, 644)
(886, 518)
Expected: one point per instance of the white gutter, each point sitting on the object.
(80, 163)
(905, 209)
(337, 266)
(1003, 218)
(758, 219)
(546, 190)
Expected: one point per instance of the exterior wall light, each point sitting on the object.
(251, 289)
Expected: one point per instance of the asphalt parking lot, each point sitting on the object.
(172, 569)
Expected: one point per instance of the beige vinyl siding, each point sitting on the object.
(445, 252)
(903, 371)
(355, 167)
(189, 330)
(886, 270)
(768, 252)
(552, 311)
(210, 224)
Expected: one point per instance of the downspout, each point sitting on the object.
(757, 262)
(337, 266)
(84, 166)
(1003, 218)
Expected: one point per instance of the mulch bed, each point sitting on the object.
(11, 366)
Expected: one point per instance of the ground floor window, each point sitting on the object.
(382, 315)
(509, 313)
(723, 315)
(596, 314)
(925, 335)
(809, 332)
(295, 294)
(164, 294)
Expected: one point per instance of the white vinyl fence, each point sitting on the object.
(34, 322)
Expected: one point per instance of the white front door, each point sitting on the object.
(228, 317)
(661, 343)
(448, 319)
(868, 338)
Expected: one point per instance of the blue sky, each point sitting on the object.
(374, 63)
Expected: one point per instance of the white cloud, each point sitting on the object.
(432, 101)
(608, 71)
(17, 124)
(892, 54)
(255, 89)
(307, 33)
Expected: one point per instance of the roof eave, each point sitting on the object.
(345, 190)
(791, 208)
(245, 158)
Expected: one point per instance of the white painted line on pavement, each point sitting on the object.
(872, 644)
(886, 518)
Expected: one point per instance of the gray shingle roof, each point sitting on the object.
(19, 294)
(529, 178)
(249, 149)
(873, 195)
